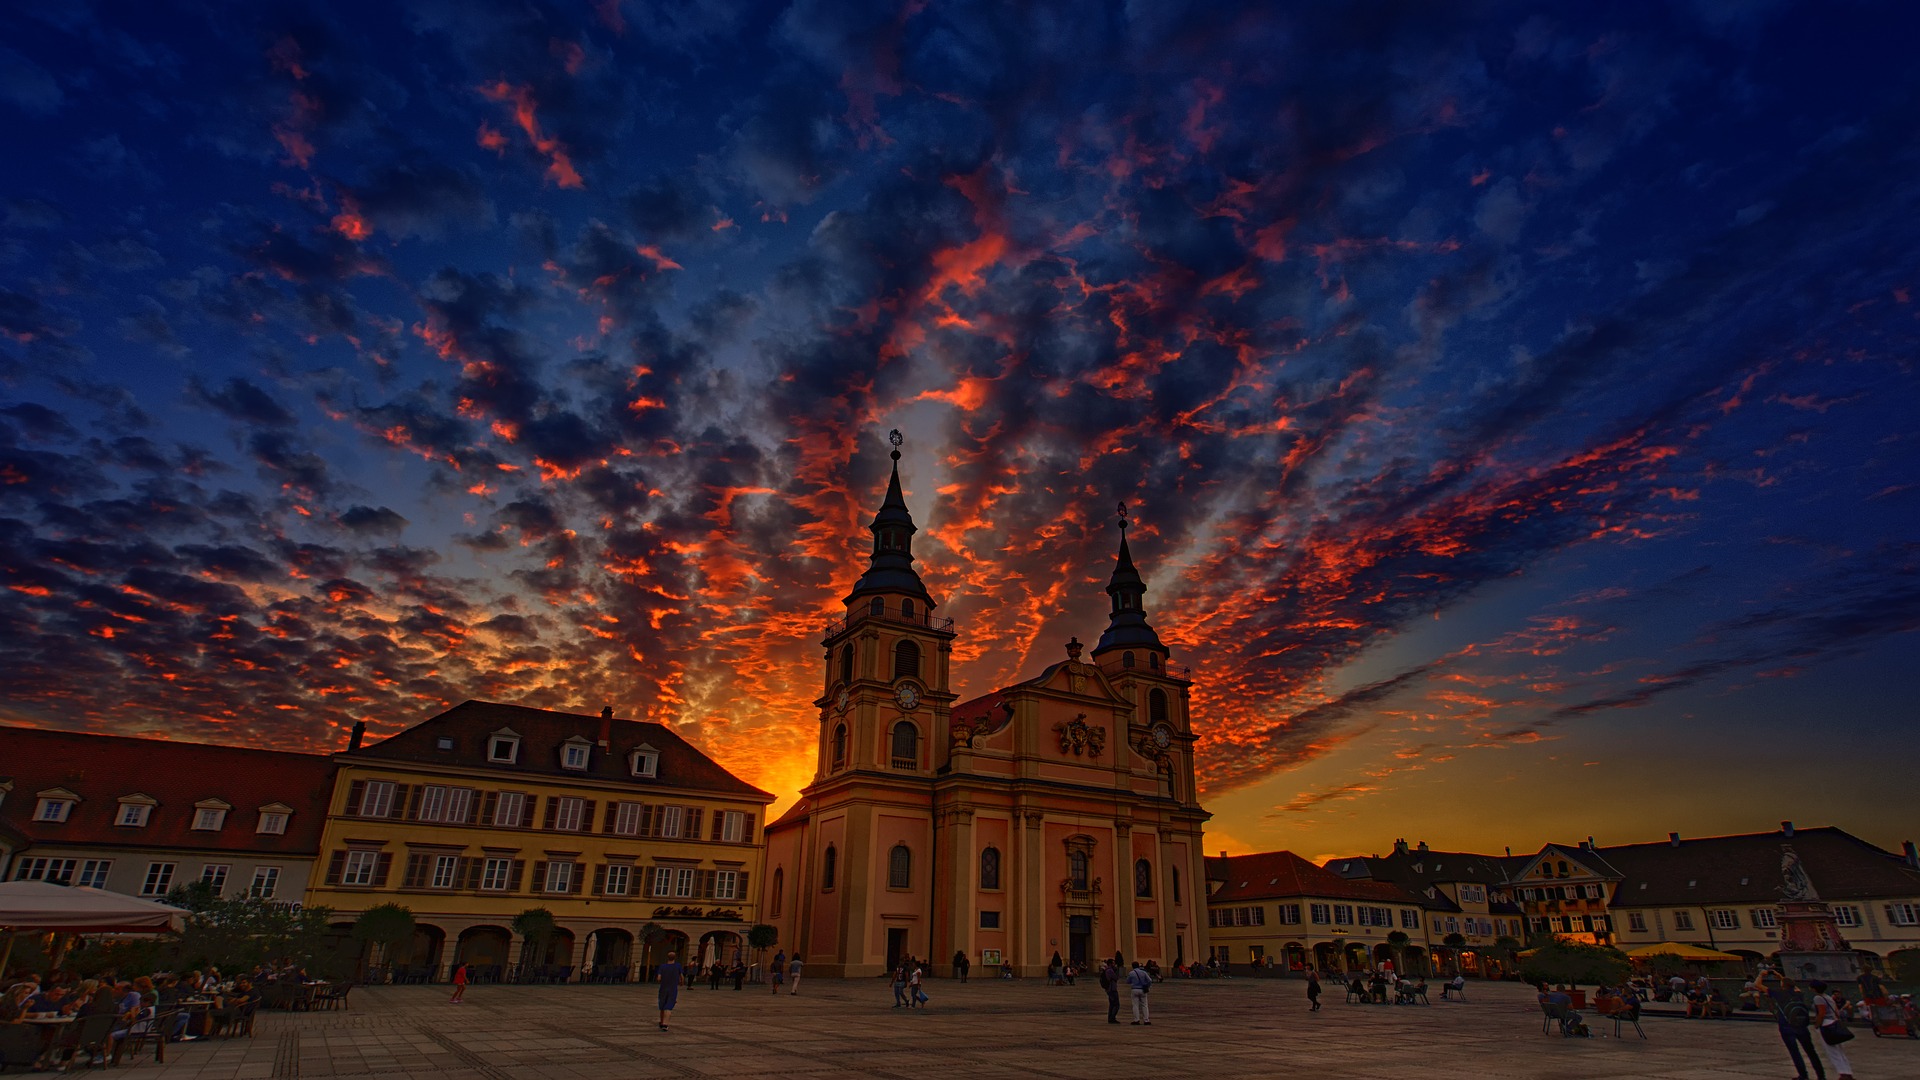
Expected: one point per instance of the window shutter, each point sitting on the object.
(746, 831)
(693, 823)
(413, 802)
(416, 866)
(705, 887)
(401, 792)
(381, 866)
(740, 887)
(513, 879)
(553, 809)
(355, 792)
(578, 881)
(600, 879)
(492, 808)
(540, 876)
(586, 816)
(719, 823)
(646, 820)
(475, 868)
(338, 860)
(613, 811)
(473, 806)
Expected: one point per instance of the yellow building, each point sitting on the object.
(1564, 892)
(486, 810)
(1276, 909)
(1469, 905)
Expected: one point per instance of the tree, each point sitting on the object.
(1454, 943)
(1904, 965)
(384, 926)
(1571, 964)
(1507, 949)
(1397, 944)
(1340, 952)
(535, 927)
(761, 937)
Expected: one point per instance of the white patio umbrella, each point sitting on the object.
(41, 907)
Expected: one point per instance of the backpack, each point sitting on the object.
(1107, 978)
(1795, 1013)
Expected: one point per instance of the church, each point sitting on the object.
(1054, 816)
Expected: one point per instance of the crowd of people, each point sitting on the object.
(67, 1020)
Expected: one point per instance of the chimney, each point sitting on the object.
(1400, 847)
(1673, 838)
(1423, 847)
(1913, 854)
(1786, 828)
(359, 732)
(1223, 854)
(606, 726)
(1509, 851)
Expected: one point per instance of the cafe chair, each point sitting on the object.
(153, 1031)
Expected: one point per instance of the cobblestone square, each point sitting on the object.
(984, 1029)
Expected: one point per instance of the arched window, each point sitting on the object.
(829, 862)
(906, 610)
(900, 868)
(1077, 868)
(1157, 706)
(1153, 661)
(779, 883)
(1126, 659)
(906, 745)
(877, 607)
(846, 664)
(990, 868)
(1142, 878)
(906, 660)
(839, 746)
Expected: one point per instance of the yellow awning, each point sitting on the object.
(1680, 950)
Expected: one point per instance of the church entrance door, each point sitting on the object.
(1079, 933)
(896, 948)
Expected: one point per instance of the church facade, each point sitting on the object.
(1057, 815)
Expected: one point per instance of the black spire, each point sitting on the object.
(1127, 624)
(890, 568)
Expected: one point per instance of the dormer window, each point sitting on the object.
(135, 811)
(444, 742)
(210, 815)
(273, 819)
(503, 747)
(645, 761)
(55, 805)
(574, 754)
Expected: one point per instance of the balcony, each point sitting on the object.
(891, 615)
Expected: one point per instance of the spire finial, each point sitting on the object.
(1123, 517)
(894, 438)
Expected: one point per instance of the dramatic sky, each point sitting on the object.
(1518, 403)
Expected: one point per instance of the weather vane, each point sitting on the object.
(1123, 517)
(894, 438)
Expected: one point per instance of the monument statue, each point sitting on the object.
(1798, 885)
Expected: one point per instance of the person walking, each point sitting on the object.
(670, 975)
(916, 997)
(793, 975)
(961, 964)
(1792, 1017)
(779, 970)
(1831, 1018)
(1313, 991)
(1053, 971)
(739, 973)
(1140, 982)
(459, 984)
(1110, 982)
(900, 985)
(714, 972)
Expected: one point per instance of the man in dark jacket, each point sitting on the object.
(1790, 1012)
(1110, 982)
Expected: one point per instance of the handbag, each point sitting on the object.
(1836, 1033)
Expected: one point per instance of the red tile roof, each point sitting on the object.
(542, 732)
(102, 768)
(1273, 874)
(1745, 869)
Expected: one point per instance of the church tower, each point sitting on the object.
(1133, 657)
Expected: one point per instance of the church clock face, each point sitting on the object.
(1162, 736)
(845, 696)
(908, 695)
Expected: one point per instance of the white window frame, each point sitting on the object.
(1683, 920)
(645, 762)
(512, 742)
(93, 873)
(568, 813)
(272, 823)
(515, 799)
(446, 872)
(1322, 914)
(215, 874)
(626, 819)
(1846, 915)
(560, 877)
(662, 881)
(53, 811)
(1637, 922)
(1290, 914)
(376, 799)
(1765, 918)
(358, 869)
(725, 884)
(41, 868)
(209, 819)
(1724, 919)
(1903, 914)
(683, 882)
(1343, 909)
(733, 824)
(433, 802)
(496, 875)
(134, 815)
(667, 822)
(575, 756)
(159, 879)
(1409, 919)
(266, 882)
(619, 879)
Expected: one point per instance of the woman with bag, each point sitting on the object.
(1830, 1018)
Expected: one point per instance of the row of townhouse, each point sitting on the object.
(1721, 892)
(631, 837)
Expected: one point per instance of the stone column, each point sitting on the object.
(1123, 934)
(960, 887)
(1037, 896)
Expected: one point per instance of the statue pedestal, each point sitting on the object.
(1811, 946)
